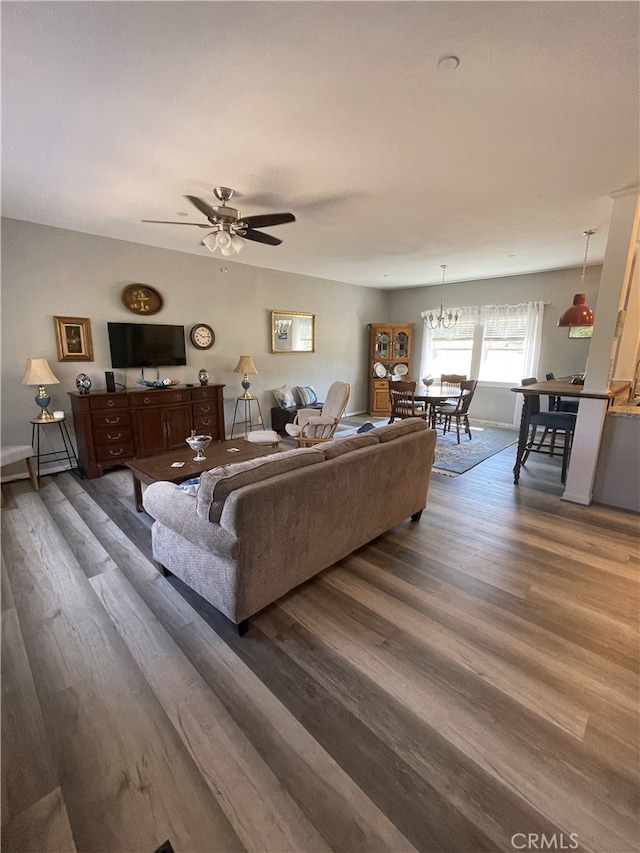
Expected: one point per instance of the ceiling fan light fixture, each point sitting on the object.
(223, 239)
(210, 242)
(237, 243)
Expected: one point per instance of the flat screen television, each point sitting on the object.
(146, 345)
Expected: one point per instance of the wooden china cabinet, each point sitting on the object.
(389, 355)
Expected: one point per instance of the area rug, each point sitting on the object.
(453, 459)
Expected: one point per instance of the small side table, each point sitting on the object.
(54, 455)
(248, 426)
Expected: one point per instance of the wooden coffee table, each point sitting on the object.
(151, 469)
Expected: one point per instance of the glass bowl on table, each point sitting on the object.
(199, 443)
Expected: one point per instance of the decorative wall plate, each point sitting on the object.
(380, 370)
(142, 299)
(400, 370)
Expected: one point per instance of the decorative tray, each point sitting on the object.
(158, 383)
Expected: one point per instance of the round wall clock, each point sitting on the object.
(142, 299)
(202, 336)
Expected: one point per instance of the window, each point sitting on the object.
(493, 343)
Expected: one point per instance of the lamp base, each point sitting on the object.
(246, 385)
(43, 400)
(45, 415)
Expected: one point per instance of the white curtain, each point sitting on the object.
(533, 338)
(532, 341)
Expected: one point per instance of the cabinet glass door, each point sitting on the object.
(401, 345)
(383, 344)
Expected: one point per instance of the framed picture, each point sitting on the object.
(73, 337)
(580, 332)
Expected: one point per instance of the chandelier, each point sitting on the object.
(444, 319)
(579, 314)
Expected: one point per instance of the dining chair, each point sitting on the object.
(452, 380)
(557, 404)
(459, 411)
(403, 404)
(551, 422)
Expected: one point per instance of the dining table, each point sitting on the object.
(563, 387)
(433, 396)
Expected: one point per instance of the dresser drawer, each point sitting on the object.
(113, 435)
(205, 409)
(205, 424)
(110, 419)
(114, 452)
(204, 393)
(117, 401)
(159, 398)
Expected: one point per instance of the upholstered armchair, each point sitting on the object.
(311, 427)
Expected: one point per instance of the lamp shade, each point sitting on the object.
(38, 372)
(210, 242)
(577, 314)
(245, 365)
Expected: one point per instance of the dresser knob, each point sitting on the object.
(115, 437)
(111, 403)
(112, 420)
(116, 452)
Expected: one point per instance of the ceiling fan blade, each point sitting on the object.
(164, 222)
(268, 219)
(259, 237)
(203, 207)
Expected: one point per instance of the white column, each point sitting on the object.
(614, 282)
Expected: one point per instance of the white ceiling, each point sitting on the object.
(337, 112)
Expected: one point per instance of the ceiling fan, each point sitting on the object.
(230, 229)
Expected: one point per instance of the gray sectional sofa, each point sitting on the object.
(257, 529)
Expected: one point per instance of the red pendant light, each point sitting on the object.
(579, 314)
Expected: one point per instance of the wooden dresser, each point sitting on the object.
(112, 428)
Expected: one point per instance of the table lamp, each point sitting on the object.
(38, 373)
(246, 366)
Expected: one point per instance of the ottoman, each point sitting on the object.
(267, 437)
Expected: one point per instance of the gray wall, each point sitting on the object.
(558, 354)
(49, 272)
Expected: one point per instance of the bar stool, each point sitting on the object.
(553, 422)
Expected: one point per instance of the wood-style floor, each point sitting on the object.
(467, 683)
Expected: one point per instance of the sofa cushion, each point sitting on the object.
(398, 428)
(218, 483)
(284, 397)
(306, 395)
(339, 446)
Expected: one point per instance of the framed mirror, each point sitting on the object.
(292, 331)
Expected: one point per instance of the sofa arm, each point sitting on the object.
(176, 510)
